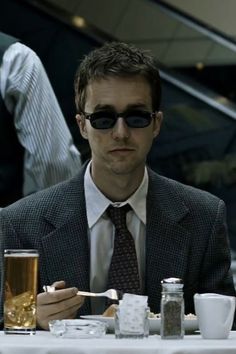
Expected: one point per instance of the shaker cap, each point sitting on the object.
(172, 285)
(172, 281)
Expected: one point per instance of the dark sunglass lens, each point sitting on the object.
(138, 119)
(102, 120)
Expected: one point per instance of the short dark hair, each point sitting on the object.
(121, 60)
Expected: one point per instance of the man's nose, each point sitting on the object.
(120, 129)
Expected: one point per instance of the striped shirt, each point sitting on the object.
(50, 155)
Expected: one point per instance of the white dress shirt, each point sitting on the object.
(50, 155)
(101, 234)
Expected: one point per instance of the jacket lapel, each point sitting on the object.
(65, 251)
(167, 240)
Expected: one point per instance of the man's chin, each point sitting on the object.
(123, 168)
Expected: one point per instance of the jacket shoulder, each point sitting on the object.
(169, 190)
(64, 193)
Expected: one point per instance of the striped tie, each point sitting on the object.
(123, 274)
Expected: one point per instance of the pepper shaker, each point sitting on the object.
(172, 309)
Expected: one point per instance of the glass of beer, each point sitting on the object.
(20, 291)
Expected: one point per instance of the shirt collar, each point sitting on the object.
(98, 203)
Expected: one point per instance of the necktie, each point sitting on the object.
(123, 274)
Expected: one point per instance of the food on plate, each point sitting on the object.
(154, 315)
(189, 316)
(110, 311)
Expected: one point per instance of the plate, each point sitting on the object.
(190, 324)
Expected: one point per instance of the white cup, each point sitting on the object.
(215, 314)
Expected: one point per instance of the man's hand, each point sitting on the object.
(57, 305)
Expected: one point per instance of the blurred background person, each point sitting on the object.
(36, 146)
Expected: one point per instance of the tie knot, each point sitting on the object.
(118, 215)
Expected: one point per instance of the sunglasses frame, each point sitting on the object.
(125, 115)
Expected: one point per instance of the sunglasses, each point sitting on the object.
(107, 119)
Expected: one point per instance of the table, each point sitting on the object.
(44, 343)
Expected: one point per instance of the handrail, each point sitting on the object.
(200, 26)
(214, 100)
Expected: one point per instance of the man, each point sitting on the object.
(36, 147)
(178, 231)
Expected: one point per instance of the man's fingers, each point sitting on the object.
(58, 310)
(67, 313)
(61, 284)
(56, 296)
(57, 302)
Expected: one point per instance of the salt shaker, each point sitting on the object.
(172, 309)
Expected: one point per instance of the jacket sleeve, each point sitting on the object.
(216, 274)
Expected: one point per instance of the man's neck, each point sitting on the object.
(117, 188)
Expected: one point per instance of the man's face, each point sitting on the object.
(120, 149)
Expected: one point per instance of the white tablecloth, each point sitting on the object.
(45, 343)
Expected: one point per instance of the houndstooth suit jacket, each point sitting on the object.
(186, 237)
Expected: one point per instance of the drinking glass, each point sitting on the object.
(132, 324)
(20, 290)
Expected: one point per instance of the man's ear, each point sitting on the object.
(157, 123)
(82, 125)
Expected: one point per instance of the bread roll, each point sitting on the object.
(110, 311)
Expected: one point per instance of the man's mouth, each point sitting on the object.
(122, 148)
